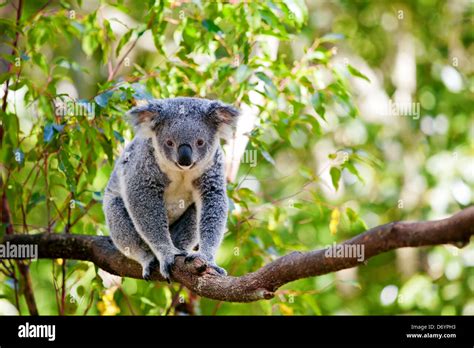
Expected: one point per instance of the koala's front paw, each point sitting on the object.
(209, 263)
(167, 261)
(197, 255)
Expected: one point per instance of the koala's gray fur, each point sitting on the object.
(157, 208)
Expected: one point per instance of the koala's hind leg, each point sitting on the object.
(126, 238)
(184, 230)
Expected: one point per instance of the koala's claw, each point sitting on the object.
(205, 265)
(191, 257)
(168, 269)
(219, 270)
(148, 269)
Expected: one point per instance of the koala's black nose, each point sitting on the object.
(185, 154)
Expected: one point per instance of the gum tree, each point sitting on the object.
(69, 76)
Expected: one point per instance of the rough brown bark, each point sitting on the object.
(262, 283)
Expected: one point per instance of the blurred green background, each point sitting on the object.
(326, 154)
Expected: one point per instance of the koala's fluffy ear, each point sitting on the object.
(144, 118)
(224, 116)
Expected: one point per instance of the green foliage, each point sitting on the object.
(324, 171)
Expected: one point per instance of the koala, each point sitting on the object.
(167, 193)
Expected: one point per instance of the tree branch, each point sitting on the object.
(262, 283)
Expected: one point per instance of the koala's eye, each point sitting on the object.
(200, 142)
(169, 143)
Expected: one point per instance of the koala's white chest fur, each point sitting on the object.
(179, 194)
